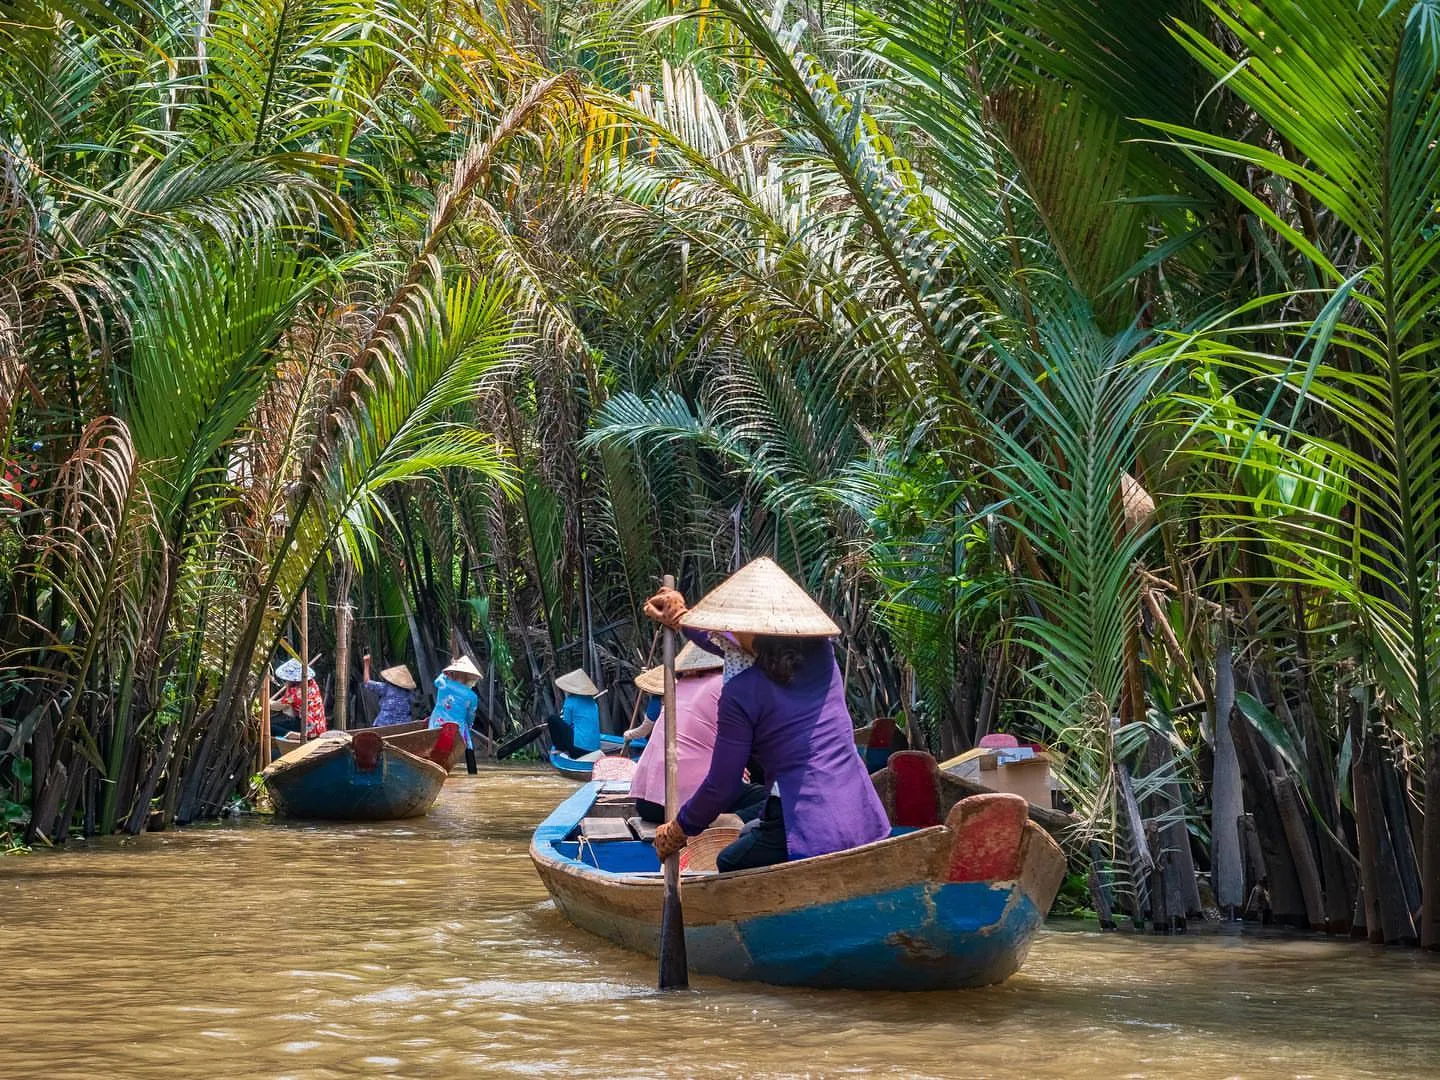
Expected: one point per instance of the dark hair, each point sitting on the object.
(781, 657)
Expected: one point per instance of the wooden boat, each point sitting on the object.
(952, 898)
(344, 776)
(417, 738)
(612, 744)
(576, 768)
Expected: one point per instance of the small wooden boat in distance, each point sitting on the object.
(941, 903)
(576, 768)
(417, 738)
(355, 777)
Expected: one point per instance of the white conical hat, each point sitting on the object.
(289, 671)
(760, 598)
(577, 682)
(462, 666)
(691, 659)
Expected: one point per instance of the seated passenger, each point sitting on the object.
(697, 696)
(456, 701)
(784, 701)
(288, 701)
(576, 731)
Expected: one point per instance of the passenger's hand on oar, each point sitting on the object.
(669, 839)
(666, 607)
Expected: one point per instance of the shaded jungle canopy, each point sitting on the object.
(1079, 358)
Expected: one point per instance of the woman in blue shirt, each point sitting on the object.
(396, 689)
(456, 702)
(576, 731)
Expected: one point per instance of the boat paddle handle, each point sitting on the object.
(674, 967)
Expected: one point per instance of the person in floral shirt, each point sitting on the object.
(289, 699)
(457, 702)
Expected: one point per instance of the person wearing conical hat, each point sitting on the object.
(457, 702)
(576, 731)
(395, 690)
(697, 699)
(782, 700)
(288, 701)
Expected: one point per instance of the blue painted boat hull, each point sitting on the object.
(574, 768)
(611, 743)
(330, 786)
(886, 916)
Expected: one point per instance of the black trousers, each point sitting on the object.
(761, 844)
(561, 736)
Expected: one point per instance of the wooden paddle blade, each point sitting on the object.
(517, 742)
(674, 966)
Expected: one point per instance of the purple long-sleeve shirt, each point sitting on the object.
(802, 736)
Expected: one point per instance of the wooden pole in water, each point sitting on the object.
(342, 650)
(304, 659)
(674, 966)
(265, 744)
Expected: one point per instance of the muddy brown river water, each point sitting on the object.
(429, 949)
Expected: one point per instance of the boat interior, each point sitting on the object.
(612, 837)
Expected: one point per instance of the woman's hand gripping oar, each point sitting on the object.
(674, 968)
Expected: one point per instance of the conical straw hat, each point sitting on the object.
(289, 671)
(400, 676)
(690, 660)
(760, 598)
(462, 666)
(577, 682)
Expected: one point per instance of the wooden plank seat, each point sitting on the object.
(604, 828)
(612, 807)
(643, 830)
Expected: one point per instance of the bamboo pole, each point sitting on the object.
(265, 744)
(674, 973)
(342, 651)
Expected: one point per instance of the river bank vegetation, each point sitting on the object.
(1079, 358)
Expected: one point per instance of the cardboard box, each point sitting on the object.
(1028, 777)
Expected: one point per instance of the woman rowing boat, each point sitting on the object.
(783, 701)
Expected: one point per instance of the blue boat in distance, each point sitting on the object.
(579, 768)
(576, 768)
(357, 777)
(952, 898)
(612, 744)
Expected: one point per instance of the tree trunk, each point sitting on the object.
(1392, 801)
(1430, 844)
(1395, 925)
(343, 619)
(1287, 799)
(1227, 797)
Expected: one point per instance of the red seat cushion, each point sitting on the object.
(440, 752)
(367, 746)
(917, 788)
(988, 830)
(881, 733)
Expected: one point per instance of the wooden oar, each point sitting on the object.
(674, 967)
(515, 742)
